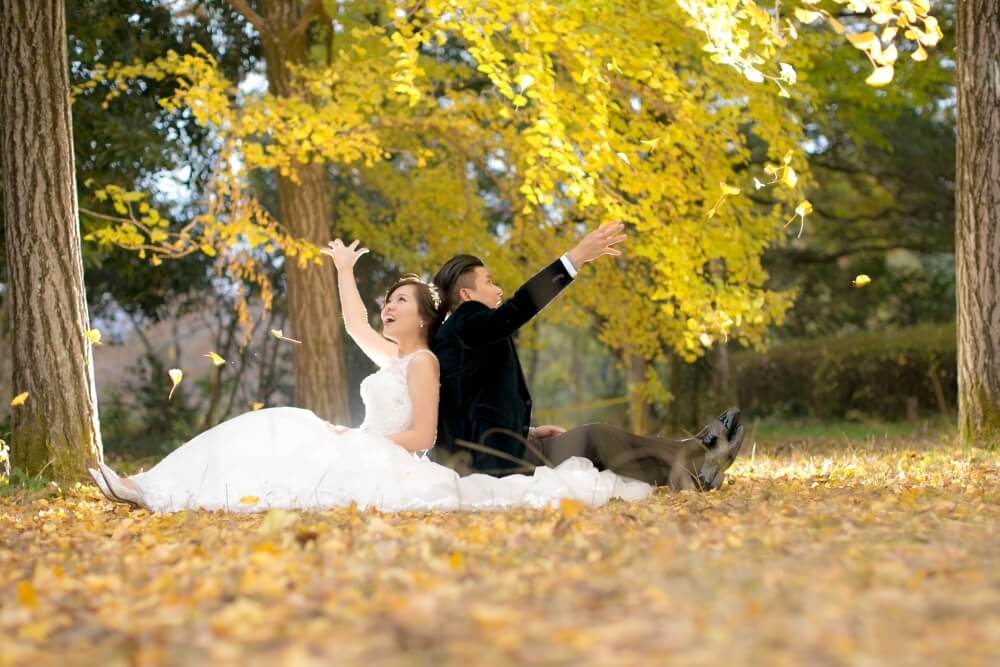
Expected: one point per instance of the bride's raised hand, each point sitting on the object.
(344, 257)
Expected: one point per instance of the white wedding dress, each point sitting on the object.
(289, 458)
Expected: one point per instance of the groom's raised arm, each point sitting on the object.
(479, 325)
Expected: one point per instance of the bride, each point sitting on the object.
(290, 458)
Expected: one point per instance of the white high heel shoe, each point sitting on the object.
(102, 485)
(119, 490)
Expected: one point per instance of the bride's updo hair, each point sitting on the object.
(430, 305)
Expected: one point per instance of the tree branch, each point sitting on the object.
(252, 17)
(307, 17)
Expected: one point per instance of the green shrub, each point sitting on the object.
(875, 373)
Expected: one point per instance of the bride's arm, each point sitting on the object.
(377, 348)
(423, 379)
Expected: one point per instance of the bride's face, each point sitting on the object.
(400, 314)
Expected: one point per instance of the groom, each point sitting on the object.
(485, 408)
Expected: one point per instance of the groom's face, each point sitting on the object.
(482, 289)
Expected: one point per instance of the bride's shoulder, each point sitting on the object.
(422, 359)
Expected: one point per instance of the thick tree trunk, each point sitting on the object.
(977, 228)
(56, 431)
(305, 210)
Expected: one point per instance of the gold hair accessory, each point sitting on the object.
(431, 287)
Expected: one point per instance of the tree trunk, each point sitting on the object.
(305, 210)
(723, 389)
(977, 228)
(640, 413)
(56, 431)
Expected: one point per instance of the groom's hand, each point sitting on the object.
(546, 431)
(598, 243)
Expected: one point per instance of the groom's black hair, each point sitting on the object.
(454, 275)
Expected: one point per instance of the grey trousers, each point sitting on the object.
(657, 461)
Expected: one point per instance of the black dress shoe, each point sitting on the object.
(730, 419)
(720, 456)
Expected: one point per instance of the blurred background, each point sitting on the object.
(842, 359)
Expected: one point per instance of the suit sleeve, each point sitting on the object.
(479, 326)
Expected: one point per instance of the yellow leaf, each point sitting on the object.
(729, 190)
(456, 560)
(888, 56)
(919, 55)
(789, 177)
(19, 399)
(176, 375)
(837, 26)
(26, 595)
(250, 500)
(216, 359)
(804, 209)
(863, 40)
(806, 16)
(881, 76)
(93, 335)
(256, 406)
(861, 280)
(155, 260)
(279, 334)
(569, 508)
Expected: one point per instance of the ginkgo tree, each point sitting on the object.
(509, 127)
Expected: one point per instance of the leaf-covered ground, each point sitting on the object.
(877, 552)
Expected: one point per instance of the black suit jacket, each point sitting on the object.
(482, 384)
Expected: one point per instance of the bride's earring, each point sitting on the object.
(421, 325)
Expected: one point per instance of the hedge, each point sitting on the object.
(884, 374)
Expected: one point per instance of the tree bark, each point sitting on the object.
(977, 228)
(640, 413)
(56, 432)
(306, 211)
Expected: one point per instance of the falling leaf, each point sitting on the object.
(757, 185)
(176, 375)
(256, 406)
(881, 76)
(19, 400)
(861, 280)
(277, 333)
(652, 143)
(93, 335)
(216, 359)
(250, 500)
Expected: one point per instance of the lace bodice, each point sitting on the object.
(388, 408)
